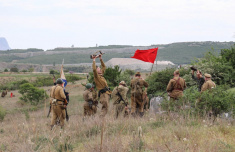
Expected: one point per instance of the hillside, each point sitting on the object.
(178, 53)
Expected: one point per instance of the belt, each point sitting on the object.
(178, 89)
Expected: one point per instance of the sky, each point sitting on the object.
(47, 24)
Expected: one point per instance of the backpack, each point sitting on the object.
(136, 89)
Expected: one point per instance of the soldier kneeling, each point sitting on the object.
(90, 97)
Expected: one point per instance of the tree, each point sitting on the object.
(14, 69)
(5, 70)
(31, 69)
(111, 75)
(32, 94)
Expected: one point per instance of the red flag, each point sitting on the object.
(146, 55)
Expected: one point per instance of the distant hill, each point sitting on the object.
(178, 53)
(3, 44)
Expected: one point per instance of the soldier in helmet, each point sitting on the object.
(120, 100)
(138, 95)
(101, 85)
(209, 84)
(90, 104)
(58, 103)
(176, 86)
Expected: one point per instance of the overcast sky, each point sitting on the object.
(48, 24)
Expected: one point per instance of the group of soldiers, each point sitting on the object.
(139, 98)
(177, 85)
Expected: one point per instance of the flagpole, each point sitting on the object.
(151, 69)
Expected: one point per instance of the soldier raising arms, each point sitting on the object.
(101, 85)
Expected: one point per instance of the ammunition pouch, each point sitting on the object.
(90, 102)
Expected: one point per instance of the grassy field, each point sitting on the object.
(26, 128)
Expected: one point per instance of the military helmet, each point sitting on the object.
(59, 81)
(207, 75)
(123, 83)
(89, 85)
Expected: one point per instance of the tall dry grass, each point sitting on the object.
(30, 131)
(158, 133)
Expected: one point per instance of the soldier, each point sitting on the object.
(209, 84)
(120, 100)
(200, 79)
(176, 86)
(101, 85)
(58, 102)
(138, 95)
(90, 100)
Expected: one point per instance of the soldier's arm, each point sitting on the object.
(184, 85)
(94, 69)
(169, 87)
(102, 65)
(204, 87)
(146, 86)
(51, 91)
(62, 93)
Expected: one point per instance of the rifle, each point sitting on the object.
(120, 97)
(95, 54)
(67, 116)
(49, 112)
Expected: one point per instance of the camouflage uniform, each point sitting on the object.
(58, 109)
(138, 96)
(89, 105)
(102, 87)
(118, 103)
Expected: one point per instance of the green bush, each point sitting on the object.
(221, 70)
(2, 113)
(5, 70)
(32, 94)
(13, 85)
(218, 100)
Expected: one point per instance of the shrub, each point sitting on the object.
(14, 70)
(218, 100)
(5, 70)
(32, 94)
(54, 72)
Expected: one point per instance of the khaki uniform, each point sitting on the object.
(176, 87)
(138, 96)
(208, 85)
(117, 102)
(89, 96)
(58, 110)
(101, 83)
